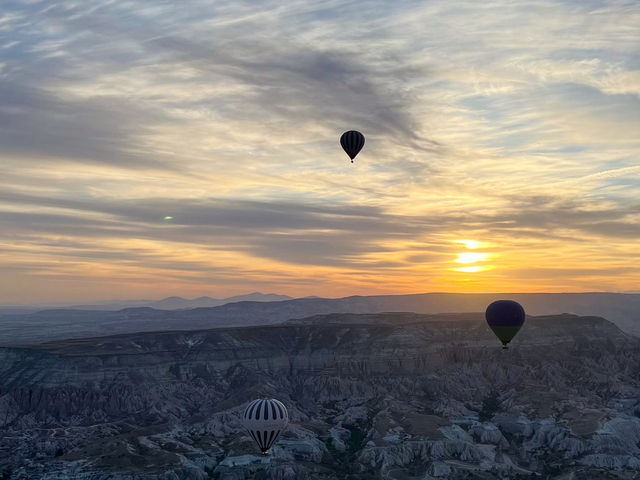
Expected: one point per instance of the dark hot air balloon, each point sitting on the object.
(505, 317)
(265, 419)
(352, 142)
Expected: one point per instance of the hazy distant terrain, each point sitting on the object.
(622, 309)
(394, 396)
(169, 303)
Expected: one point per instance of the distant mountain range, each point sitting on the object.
(169, 303)
(622, 309)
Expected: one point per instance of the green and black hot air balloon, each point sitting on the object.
(505, 317)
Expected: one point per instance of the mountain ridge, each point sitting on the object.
(622, 309)
(173, 302)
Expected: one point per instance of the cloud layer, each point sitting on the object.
(513, 124)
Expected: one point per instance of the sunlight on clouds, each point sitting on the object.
(471, 244)
(514, 123)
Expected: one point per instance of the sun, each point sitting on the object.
(471, 257)
(470, 269)
(468, 258)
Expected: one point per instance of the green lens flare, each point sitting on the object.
(168, 218)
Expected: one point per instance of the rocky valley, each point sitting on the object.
(398, 396)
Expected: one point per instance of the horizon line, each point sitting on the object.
(100, 302)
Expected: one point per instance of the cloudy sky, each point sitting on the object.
(502, 153)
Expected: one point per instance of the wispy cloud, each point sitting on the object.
(513, 124)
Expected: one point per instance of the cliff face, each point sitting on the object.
(398, 396)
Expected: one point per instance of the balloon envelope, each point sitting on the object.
(265, 418)
(505, 317)
(352, 142)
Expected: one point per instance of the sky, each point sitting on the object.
(192, 148)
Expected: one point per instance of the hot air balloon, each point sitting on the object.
(352, 142)
(505, 317)
(265, 418)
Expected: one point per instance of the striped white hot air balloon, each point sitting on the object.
(265, 418)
